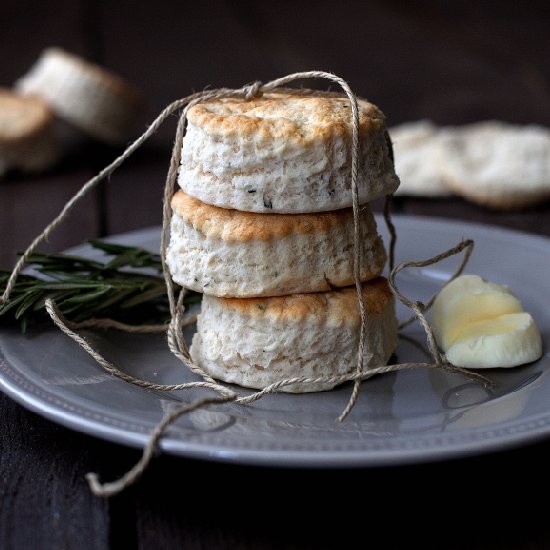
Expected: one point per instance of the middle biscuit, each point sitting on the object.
(230, 253)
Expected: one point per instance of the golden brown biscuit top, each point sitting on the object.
(236, 225)
(302, 115)
(21, 116)
(336, 306)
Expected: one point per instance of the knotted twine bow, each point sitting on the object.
(174, 330)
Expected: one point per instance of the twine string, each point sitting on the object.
(467, 246)
(63, 324)
(391, 230)
(418, 307)
(174, 330)
(135, 329)
(131, 476)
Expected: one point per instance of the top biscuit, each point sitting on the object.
(287, 151)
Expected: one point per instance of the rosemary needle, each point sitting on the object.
(127, 287)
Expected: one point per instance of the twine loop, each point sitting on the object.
(253, 90)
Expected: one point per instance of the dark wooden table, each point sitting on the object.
(454, 64)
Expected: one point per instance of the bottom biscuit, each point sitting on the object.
(255, 342)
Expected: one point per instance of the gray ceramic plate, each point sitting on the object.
(410, 416)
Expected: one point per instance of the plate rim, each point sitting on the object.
(477, 441)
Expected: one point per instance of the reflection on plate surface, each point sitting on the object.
(414, 415)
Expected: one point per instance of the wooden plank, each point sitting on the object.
(532, 220)
(29, 204)
(200, 505)
(44, 499)
(454, 63)
(28, 27)
(134, 193)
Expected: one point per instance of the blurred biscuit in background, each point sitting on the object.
(92, 99)
(416, 152)
(491, 163)
(27, 138)
(498, 165)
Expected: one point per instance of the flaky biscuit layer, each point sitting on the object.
(257, 342)
(231, 253)
(287, 151)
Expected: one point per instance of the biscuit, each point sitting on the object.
(255, 342)
(27, 139)
(232, 253)
(288, 151)
(498, 165)
(96, 101)
(416, 147)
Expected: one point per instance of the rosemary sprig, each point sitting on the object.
(127, 287)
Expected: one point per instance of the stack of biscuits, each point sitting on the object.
(262, 224)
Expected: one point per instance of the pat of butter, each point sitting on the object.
(479, 324)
